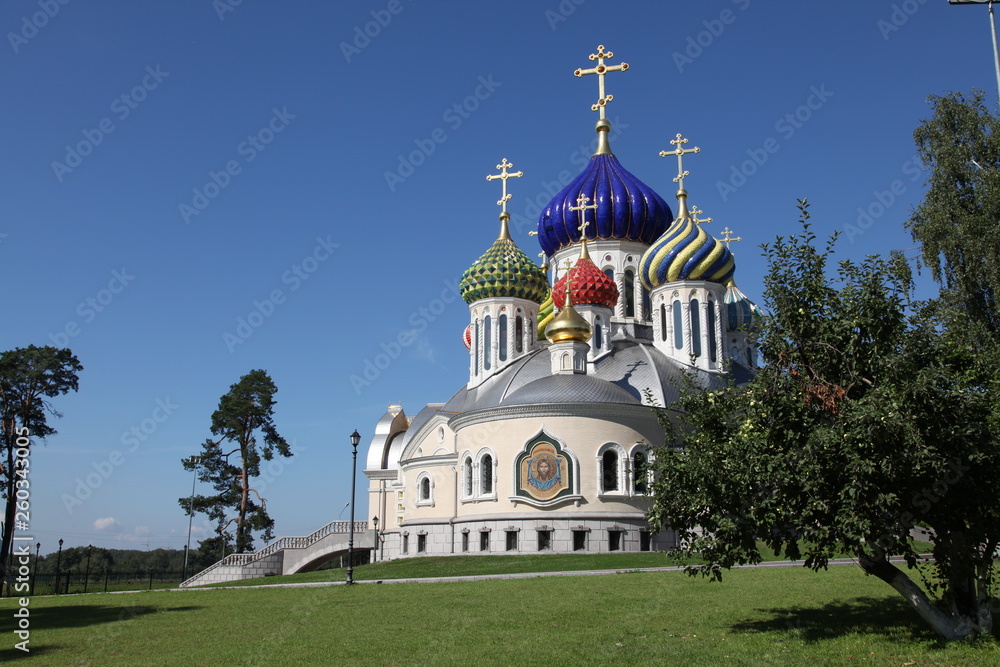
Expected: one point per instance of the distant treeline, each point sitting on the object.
(74, 559)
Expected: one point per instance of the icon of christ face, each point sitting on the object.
(545, 471)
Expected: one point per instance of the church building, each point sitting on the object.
(546, 447)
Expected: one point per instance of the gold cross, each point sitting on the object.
(600, 71)
(728, 234)
(581, 205)
(503, 175)
(680, 153)
(695, 212)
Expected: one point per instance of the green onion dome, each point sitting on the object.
(504, 271)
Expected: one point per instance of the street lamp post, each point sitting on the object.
(187, 549)
(58, 564)
(355, 439)
(86, 579)
(993, 30)
(375, 530)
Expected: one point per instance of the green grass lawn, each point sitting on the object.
(776, 617)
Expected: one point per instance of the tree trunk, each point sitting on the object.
(951, 627)
(241, 540)
(9, 440)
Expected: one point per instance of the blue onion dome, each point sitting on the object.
(686, 252)
(744, 314)
(505, 271)
(627, 208)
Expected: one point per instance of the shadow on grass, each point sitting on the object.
(9, 654)
(890, 619)
(79, 616)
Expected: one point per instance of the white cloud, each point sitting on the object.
(105, 523)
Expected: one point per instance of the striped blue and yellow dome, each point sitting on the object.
(686, 252)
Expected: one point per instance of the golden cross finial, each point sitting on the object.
(600, 71)
(504, 175)
(727, 233)
(581, 205)
(680, 153)
(695, 212)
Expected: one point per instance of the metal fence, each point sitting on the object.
(96, 582)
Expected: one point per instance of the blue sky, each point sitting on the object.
(316, 170)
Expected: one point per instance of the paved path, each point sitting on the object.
(517, 575)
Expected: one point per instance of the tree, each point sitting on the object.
(871, 415)
(956, 223)
(28, 376)
(245, 413)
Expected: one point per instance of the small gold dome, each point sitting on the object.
(568, 325)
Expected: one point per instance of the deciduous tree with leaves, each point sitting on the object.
(244, 432)
(28, 376)
(870, 416)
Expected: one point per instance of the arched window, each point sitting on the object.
(646, 308)
(565, 363)
(502, 335)
(609, 470)
(486, 475)
(695, 328)
(467, 471)
(711, 332)
(629, 293)
(598, 337)
(487, 341)
(519, 334)
(640, 473)
(425, 489)
(678, 325)
(663, 321)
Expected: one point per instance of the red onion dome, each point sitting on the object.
(590, 286)
(467, 337)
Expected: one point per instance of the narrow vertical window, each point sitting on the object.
(421, 544)
(465, 541)
(425, 489)
(511, 540)
(477, 347)
(502, 335)
(712, 349)
(695, 328)
(646, 307)
(644, 541)
(486, 473)
(468, 477)
(484, 540)
(678, 326)
(629, 293)
(579, 540)
(544, 540)
(487, 341)
(663, 321)
(639, 472)
(614, 540)
(519, 334)
(610, 470)
(598, 337)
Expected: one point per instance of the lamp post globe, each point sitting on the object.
(355, 439)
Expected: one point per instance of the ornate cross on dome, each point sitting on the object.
(727, 234)
(581, 205)
(600, 71)
(680, 153)
(695, 212)
(504, 175)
